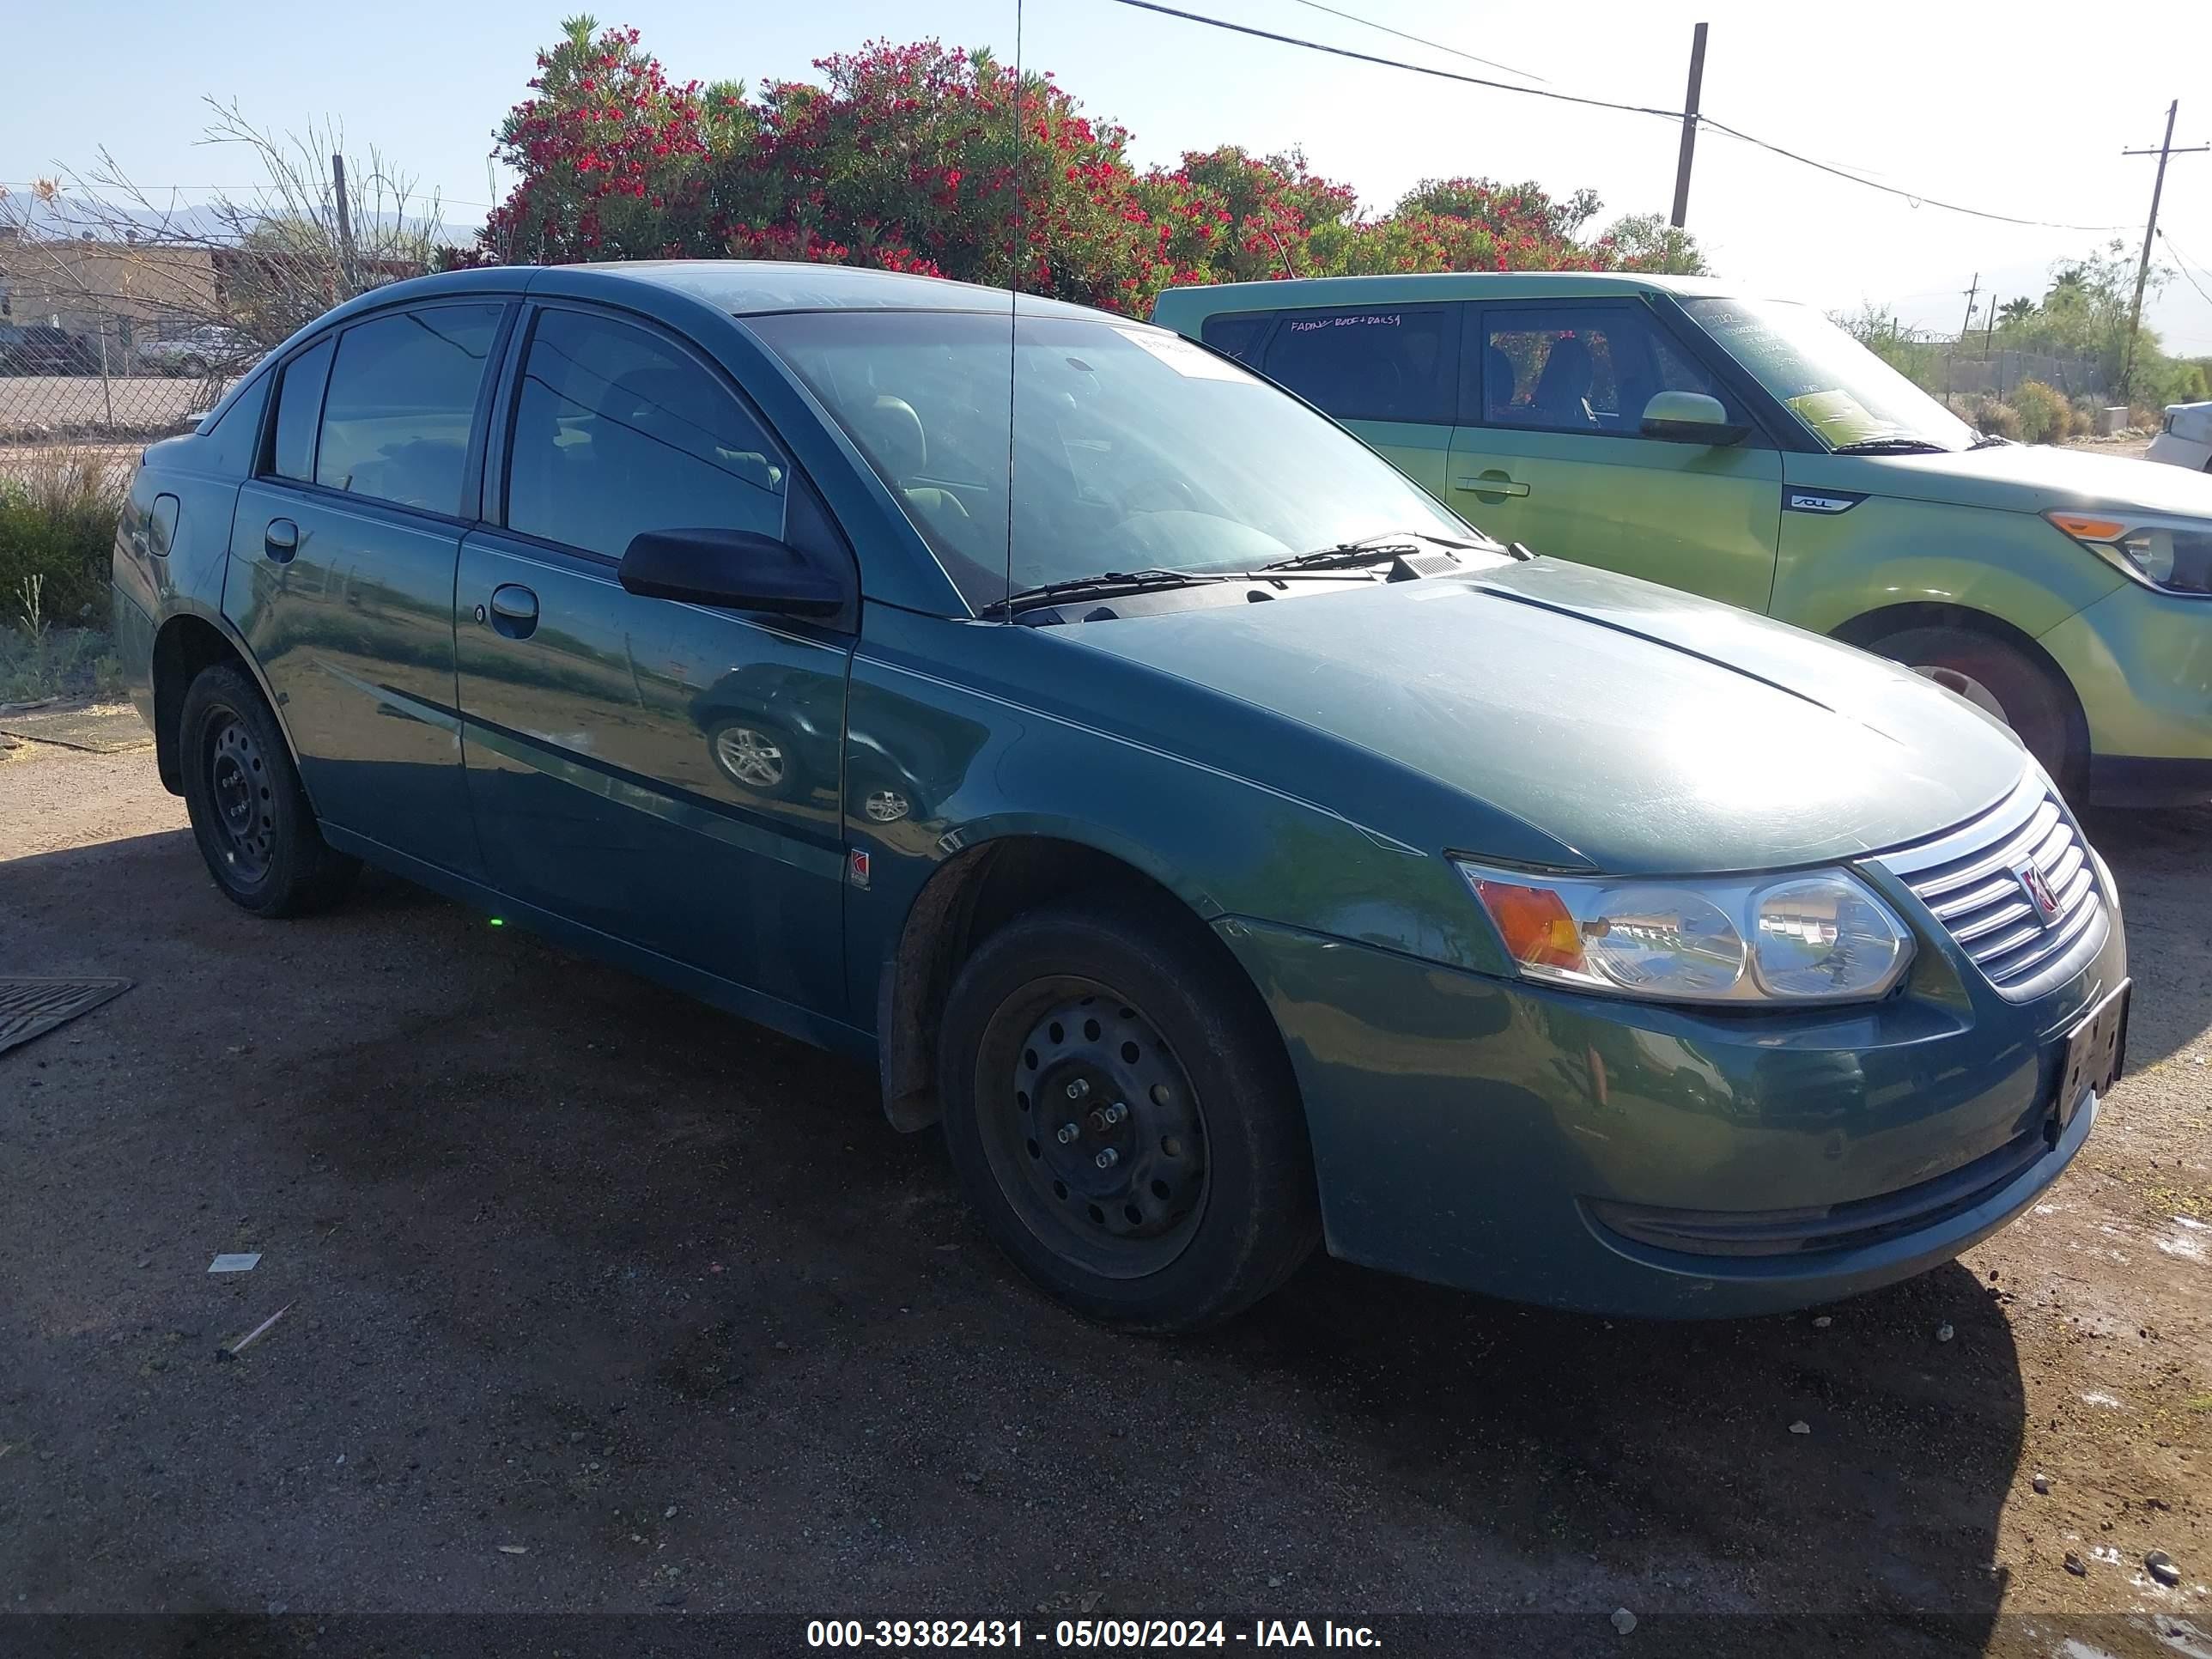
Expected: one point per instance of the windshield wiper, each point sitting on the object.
(1105, 584)
(1989, 441)
(1368, 550)
(1891, 447)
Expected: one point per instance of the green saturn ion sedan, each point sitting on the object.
(1751, 451)
(1228, 846)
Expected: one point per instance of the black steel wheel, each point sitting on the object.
(1121, 1113)
(250, 815)
(1096, 1136)
(244, 792)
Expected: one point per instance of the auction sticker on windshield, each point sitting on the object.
(1192, 361)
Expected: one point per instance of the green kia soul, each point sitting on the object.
(1751, 451)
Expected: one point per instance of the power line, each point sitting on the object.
(1912, 195)
(108, 197)
(2181, 263)
(1423, 40)
(1916, 197)
(1398, 63)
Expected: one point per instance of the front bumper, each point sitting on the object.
(2141, 664)
(1505, 1138)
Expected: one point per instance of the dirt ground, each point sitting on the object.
(597, 1302)
(2132, 445)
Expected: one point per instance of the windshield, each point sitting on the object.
(1133, 448)
(1846, 394)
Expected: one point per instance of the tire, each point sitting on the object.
(1212, 1144)
(249, 814)
(2003, 680)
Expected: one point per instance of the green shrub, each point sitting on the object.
(58, 514)
(2046, 416)
(1997, 418)
(1985, 413)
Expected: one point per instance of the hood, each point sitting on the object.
(1648, 730)
(2035, 478)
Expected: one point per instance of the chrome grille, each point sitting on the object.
(1970, 881)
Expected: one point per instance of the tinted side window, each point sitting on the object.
(230, 442)
(1375, 363)
(1238, 333)
(298, 409)
(402, 395)
(617, 433)
(1582, 368)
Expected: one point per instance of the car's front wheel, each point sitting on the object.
(1120, 1111)
(2001, 681)
(249, 813)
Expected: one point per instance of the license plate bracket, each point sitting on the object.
(2094, 1053)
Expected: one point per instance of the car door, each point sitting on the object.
(1388, 372)
(1550, 451)
(662, 773)
(340, 577)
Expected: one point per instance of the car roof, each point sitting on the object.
(1177, 307)
(750, 287)
(743, 288)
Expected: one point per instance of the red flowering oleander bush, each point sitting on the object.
(907, 158)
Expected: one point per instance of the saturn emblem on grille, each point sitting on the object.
(2037, 886)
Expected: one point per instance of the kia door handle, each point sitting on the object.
(513, 610)
(281, 540)
(1490, 484)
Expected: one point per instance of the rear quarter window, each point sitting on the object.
(300, 411)
(1371, 362)
(226, 446)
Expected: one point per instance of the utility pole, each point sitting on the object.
(346, 225)
(1689, 128)
(1988, 330)
(2150, 234)
(1964, 327)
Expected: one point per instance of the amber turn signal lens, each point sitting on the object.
(1535, 923)
(2083, 527)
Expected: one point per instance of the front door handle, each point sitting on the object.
(513, 610)
(281, 540)
(1491, 483)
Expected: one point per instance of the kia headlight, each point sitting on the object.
(1818, 936)
(2173, 555)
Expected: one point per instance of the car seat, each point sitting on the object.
(1563, 388)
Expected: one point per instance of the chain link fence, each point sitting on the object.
(1964, 371)
(109, 338)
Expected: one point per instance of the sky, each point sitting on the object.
(2020, 109)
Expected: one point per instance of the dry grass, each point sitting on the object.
(58, 506)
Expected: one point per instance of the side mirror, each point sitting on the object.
(1689, 418)
(734, 569)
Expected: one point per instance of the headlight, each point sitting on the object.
(2173, 555)
(1817, 937)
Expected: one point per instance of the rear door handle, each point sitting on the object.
(1491, 486)
(513, 610)
(281, 540)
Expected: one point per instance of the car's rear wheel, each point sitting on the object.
(2002, 682)
(1120, 1111)
(249, 813)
